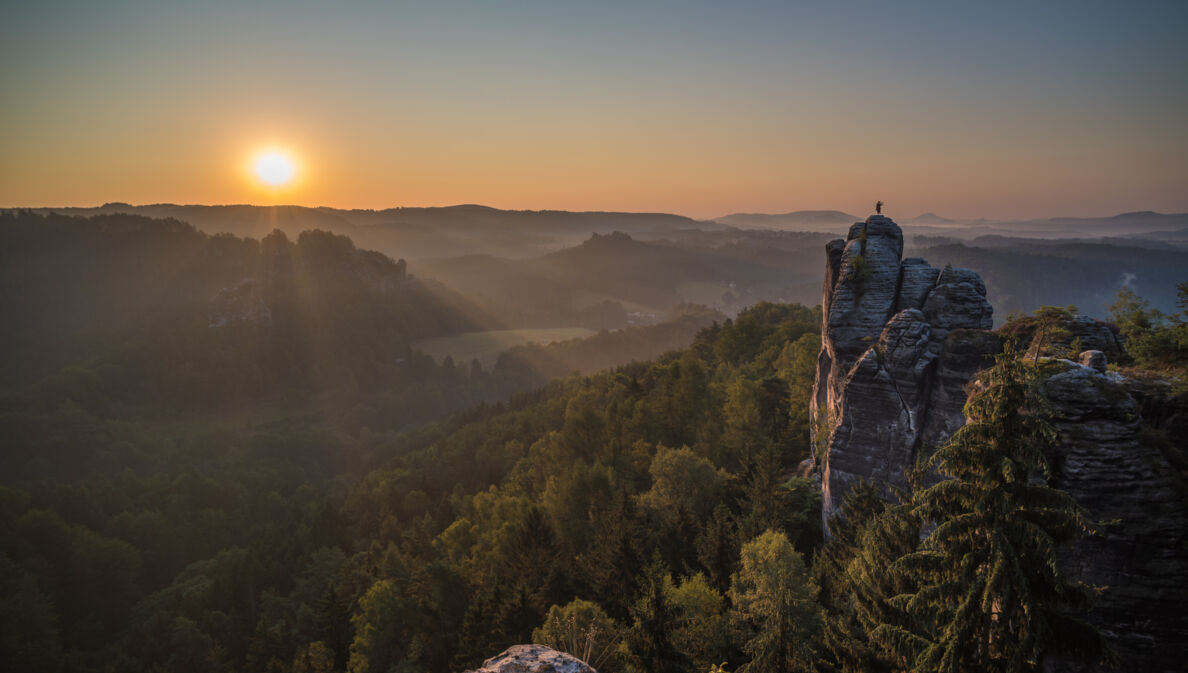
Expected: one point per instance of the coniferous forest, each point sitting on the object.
(593, 337)
(209, 489)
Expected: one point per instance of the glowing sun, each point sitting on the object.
(274, 168)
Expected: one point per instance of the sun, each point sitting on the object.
(274, 168)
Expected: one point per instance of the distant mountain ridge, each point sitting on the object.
(431, 234)
(929, 218)
(1136, 223)
(413, 233)
(800, 220)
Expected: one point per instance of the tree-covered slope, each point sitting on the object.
(651, 478)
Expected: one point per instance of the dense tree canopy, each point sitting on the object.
(188, 498)
(633, 490)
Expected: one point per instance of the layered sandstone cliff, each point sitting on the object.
(900, 339)
(1114, 460)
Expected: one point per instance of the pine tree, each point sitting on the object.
(717, 546)
(650, 639)
(858, 581)
(1051, 335)
(332, 623)
(991, 595)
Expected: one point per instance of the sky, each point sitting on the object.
(1006, 110)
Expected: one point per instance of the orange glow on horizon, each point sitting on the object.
(702, 112)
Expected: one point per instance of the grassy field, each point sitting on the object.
(487, 346)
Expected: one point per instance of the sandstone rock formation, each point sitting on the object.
(1107, 460)
(1095, 335)
(1094, 359)
(899, 341)
(533, 659)
(1080, 330)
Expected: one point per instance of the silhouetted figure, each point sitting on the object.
(879, 208)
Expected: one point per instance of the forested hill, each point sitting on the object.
(73, 288)
(123, 318)
(232, 472)
(126, 338)
(413, 233)
(646, 481)
(724, 270)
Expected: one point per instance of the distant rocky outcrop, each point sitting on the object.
(900, 342)
(242, 304)
(533, 659)
(900, 339)
(1081, 331)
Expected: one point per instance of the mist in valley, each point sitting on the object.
(584, 338)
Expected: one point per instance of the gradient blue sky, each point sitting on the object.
(968, 109)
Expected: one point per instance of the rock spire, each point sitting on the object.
(899, 340)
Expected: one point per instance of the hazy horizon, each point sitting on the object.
(379, 335)
(857, 211)
(1003, 111)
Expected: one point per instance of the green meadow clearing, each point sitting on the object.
(488, 346)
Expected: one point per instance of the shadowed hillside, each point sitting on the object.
(801, 220)
(414, 233)
(617, 279)
(76, 288)
(1021, 277)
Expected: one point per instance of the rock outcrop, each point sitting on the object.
(900, 339)
(1095, 360)
(1109, 460)
(533, 659)
(900, 342)
(1081, 331)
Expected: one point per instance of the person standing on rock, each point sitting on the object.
(878, 208)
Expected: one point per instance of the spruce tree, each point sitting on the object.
(858, 579)
(991, 595)
(650, 640)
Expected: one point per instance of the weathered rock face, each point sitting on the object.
(1108, 459)
(917, 281)
(959, 302)
(964, 352)
(1095, 335)
(1080, 330)
(1095, 360)
(899, 340)
(533, 659)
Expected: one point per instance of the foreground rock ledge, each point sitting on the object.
(533, 659)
